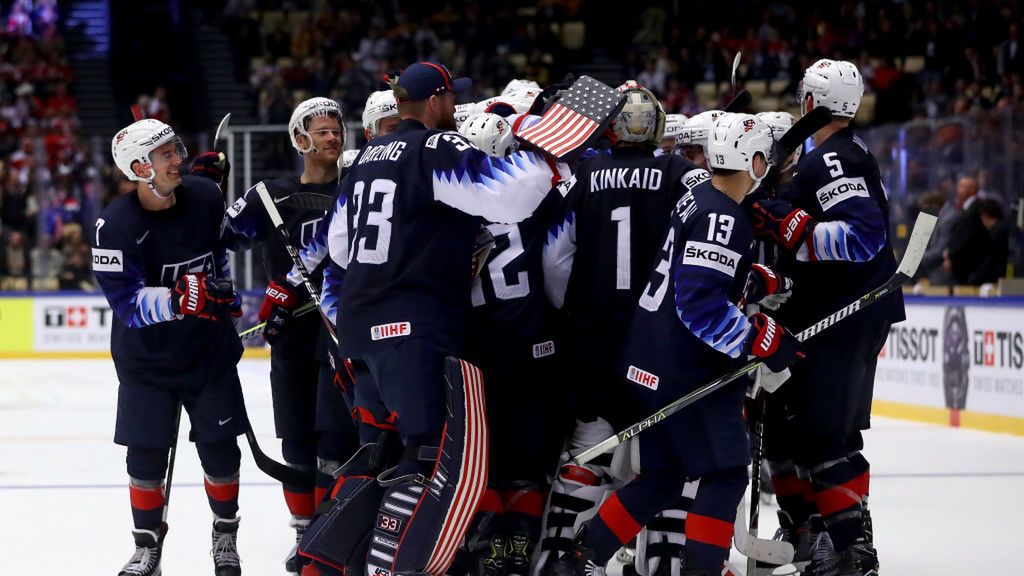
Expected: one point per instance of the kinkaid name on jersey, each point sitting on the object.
(383, 152)
(711, 256)
(649, 178)
(840, 190)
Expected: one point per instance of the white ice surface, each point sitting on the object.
(944, 500)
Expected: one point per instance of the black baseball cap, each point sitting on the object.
(422, 80)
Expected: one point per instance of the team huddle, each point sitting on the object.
(488, 310)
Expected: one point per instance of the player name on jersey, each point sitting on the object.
(391, 151)
(649, 178)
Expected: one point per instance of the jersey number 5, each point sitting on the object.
(378, 205)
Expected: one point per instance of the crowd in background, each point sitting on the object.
(957, 65)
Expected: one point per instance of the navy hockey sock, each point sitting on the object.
(795, 495)
(839, 487)
(709, 522)
(146, 470)
(221, 461)
(622, 515)
(299, 454)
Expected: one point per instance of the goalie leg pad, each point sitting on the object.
(433, 494)
(660, 544)
(576, 493)
(339, 537)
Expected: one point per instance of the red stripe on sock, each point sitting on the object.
(221, 492)
(490, 502)
(529, 502)
(366, 417)
(146, 498)
(838, 498)
(300, 503)
(709, 530)
(318, 495)
(791, 485)
(618, 519)
(863, 487)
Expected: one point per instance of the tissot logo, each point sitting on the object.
(75, 316)
(998, 348)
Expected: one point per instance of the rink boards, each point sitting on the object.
(955, 361)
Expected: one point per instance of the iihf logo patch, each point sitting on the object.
(392, 330)
(642, 377)
(543, 349)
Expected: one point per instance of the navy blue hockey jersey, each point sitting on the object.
(138, 256)
(600, 252)
(414, 200)
(688, 327)
(849, 252)
(511, 319)
(249, 224)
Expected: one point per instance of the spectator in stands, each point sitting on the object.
(931, 263)
(14, 259)
(992, 265)
(969, 240)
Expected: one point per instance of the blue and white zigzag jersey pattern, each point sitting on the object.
(333, 237)
(839, 185)
(414, 200)
(707, 255)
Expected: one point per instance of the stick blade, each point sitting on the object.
(776, 552)
(594, 451)
(740, 103)
(919, 237)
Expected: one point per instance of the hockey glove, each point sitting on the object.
(278, 302)
(769, 342)
(778, 221)
(204, 297)
(767, 288)
(212, 165)
(482, 249)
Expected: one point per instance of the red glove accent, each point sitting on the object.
(278, 295)
(769, 342)
(203, 297)
(764, 282)
(779, 222)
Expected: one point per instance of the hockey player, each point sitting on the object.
(687, 330)
(833, 221)
(693, 136)
(414, 200)
(596, 261)
(159, 260)
(673, 126)
(310, 414)
(514, 343)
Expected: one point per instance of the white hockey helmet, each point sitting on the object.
(462, 112)
(135, 143)
(379, 105)
(780, 123)
(490, 133)
(519, 84)
(835, 84)
(735, 140)
(520, 101)
(673, 125)
(695, 130)
(642, 119)
(312, 108)
(347, 158)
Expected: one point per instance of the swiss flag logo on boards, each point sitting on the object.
(77, 317)
(392, 330)
(642, 377)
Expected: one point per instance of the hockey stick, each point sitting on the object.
(258, 329)
(275, 219)
(755, 545)
(220, 128)
(137, 113)
(171, 457)
(908, 267)
(740, 102)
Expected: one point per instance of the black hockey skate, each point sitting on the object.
(576, 561)
(519, 551)
(225, 547)
(146, 559)
(294, 563)
(493, 562)
(859, 559)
